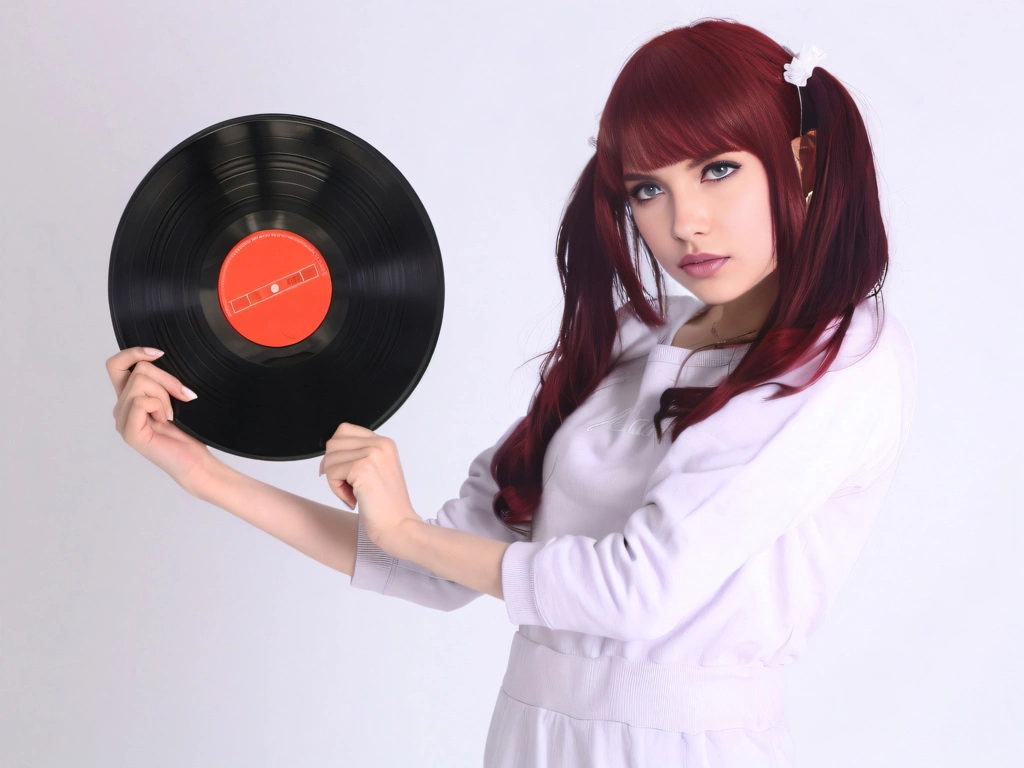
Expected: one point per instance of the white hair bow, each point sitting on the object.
(798, 70)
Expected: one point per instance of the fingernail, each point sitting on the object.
(153, 352)
(189, 393)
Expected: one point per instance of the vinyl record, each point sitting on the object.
(292, 277)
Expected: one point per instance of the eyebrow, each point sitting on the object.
(691, 165)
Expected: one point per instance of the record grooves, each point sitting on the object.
(291, 275)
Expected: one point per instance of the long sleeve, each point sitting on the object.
(725, 490)
(377, 571)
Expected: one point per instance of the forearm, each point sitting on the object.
(325, 533)
(465, 558)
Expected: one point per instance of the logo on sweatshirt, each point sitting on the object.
(617, 423)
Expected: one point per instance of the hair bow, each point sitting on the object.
(798, 70)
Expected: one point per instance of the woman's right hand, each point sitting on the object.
(143, 417)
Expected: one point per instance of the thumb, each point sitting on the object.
(349, 493)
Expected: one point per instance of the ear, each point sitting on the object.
(804, 152)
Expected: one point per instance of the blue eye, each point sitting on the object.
(721, 164)
(637, 188)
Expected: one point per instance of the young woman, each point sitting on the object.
(659, 586)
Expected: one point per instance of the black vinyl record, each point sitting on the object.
(292, 277)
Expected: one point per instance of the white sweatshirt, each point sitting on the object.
(725, 547)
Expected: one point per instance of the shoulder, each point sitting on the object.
(876, 372)
(878, 347)
(871, 385)
(876, 344)
(874, 318)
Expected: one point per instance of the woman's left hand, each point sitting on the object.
(362, 468)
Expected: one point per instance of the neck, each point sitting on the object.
(744, 313)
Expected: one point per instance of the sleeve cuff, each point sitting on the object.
(373, 567)
(518, 585)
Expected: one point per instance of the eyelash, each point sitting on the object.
(719, 164)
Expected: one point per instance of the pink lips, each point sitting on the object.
(703, 268)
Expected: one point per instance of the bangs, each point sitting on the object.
(665, 109)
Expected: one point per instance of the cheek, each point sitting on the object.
(651, 233)
(754, 220)
(660, 241)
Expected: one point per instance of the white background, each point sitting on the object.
(140, 626)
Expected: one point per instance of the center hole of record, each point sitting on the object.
(274, 287)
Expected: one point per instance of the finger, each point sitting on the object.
(337, 470)
(340, 462)
(347, 429)
(346, 493)
(350, 442)
(119, 366)
(141, 384)
(142, 387)
(349, 494)
(137, 428)
(166, 380)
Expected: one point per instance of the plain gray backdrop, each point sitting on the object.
(140, 626)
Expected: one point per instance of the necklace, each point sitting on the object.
(734, 337)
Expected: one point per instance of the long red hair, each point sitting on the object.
(714, 85)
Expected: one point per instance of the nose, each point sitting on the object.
(689, 218)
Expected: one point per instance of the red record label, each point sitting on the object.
(274, 287)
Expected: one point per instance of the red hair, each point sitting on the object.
(712, 86)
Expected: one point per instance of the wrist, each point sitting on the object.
(204, 476)
(404, 538)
